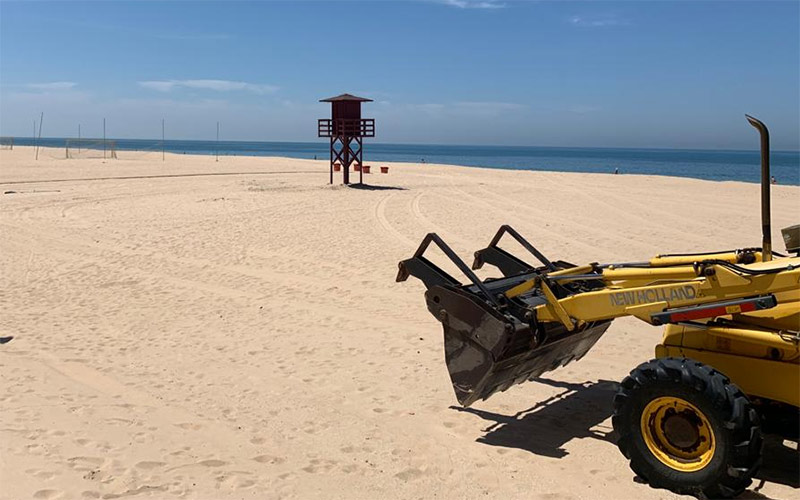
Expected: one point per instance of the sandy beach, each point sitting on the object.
(199, 329)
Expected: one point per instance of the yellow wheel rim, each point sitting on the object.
(678, 434)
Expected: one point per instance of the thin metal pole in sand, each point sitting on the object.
(104, 138)
(162, 139)
(216, 153)
(41, 119)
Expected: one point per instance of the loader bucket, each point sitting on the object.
(490, 344)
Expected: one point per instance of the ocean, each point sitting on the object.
(700, 164)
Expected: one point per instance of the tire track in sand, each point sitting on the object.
(380, 214)
(431, 227)
(159, 176)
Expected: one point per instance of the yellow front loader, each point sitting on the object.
(727, 367)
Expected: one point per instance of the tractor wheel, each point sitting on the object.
(685, 427)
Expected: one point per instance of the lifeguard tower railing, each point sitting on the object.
(346, 127)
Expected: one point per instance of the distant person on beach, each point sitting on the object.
(315, 157)
(616, 171)
(422, 160)
(773, 180)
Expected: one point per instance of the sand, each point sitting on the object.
(240, 335)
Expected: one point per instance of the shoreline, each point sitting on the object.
(204, 172)
(715, 165)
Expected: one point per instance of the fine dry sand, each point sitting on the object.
(240, 335)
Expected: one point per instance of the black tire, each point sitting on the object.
(734, 421)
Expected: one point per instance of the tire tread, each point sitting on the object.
(740, 420)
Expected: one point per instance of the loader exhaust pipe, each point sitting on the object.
(766, 225)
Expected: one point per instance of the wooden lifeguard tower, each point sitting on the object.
(346, 130)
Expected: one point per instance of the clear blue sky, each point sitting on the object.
(618, 74)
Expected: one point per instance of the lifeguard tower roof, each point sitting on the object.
(345, 97)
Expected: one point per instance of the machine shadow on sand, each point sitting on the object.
(546, 427)
(578, 412)
(369, 187)
(781, 464)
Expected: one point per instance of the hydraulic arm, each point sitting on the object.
(658, 295)
(503, 331)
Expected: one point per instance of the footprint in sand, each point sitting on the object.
(349, 469)
(147, 465)
(212, 463)
(189, 426)
(269, 459)
(234, 481)
(318, 465)
(41, 474)
(85, 463)
(47, 494)
(409, 474)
